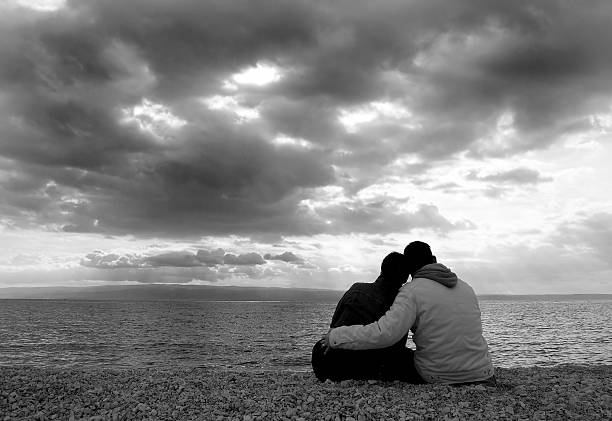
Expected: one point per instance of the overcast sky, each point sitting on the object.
(296, 143)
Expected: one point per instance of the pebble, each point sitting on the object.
(564, 392)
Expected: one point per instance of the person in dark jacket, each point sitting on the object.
(362, 304)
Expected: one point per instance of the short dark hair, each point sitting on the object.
(418, 254)
(394, 268)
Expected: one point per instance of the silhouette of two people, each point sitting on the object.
(369, 328)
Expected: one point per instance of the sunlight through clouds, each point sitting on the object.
(259, 75)
(284, 140)
(229, 103)
(375, 112)
(154, 118)
(43, 5)
(350, 119)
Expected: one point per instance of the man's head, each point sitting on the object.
(394, 269)
(417, 255)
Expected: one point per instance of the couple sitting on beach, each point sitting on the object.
(369, 328)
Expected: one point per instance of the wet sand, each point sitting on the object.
(562, 392)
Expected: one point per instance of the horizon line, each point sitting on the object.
(277, 287)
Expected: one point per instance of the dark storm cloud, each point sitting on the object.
(193, 43)
(68, 79)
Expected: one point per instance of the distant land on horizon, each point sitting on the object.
(172, 292)
(220, 293)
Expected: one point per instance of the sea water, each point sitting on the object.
(270, 335)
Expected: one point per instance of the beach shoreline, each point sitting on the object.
(560, 392)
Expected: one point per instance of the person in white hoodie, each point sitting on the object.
(443, 314)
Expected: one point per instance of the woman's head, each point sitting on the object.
(394, 269)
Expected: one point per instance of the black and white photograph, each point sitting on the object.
(291, 210)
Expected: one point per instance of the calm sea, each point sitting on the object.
(270, 335)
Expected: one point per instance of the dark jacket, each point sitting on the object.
(365, 303)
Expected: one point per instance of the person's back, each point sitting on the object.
(447, 332)
(364, 303)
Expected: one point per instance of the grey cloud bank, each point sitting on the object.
(182, 259)
(75, 162)
(518, 176)
(285, 257)
(178, 266)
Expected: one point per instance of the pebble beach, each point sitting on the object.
(560, 392)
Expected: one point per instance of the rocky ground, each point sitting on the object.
(563, 392)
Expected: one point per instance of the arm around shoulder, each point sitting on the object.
(380, 334)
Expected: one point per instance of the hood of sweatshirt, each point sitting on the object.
(437, 272)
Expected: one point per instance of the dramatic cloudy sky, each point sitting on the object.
(296, 143)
